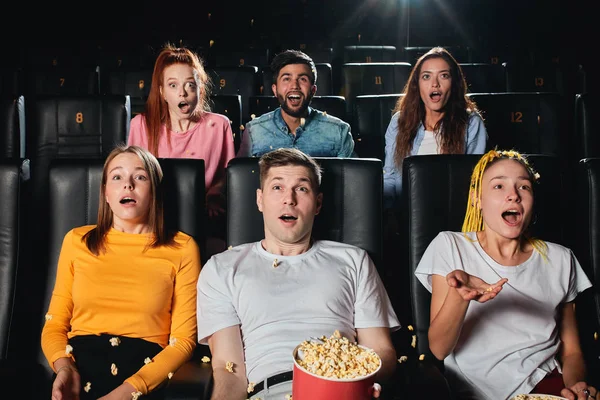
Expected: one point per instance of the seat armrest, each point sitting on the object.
(192, 381)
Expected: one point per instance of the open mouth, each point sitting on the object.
(288, 218)
(295, 99)
(127, 200)
(511, 216)
(435, 96)
(183, 106)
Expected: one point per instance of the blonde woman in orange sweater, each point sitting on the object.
(122, 318)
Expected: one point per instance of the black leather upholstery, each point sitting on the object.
(230, 105)
(484, 78)
(587, 129)
(527, 122)
(12, 177)
(435, 192)
(372, 114)
(61, 80)
(133, 81)
(352, 196)
(373, 78)
(73, 201)
(242, 80)
(368, 54)
(587, 250)
(12, 129)
(411, 54)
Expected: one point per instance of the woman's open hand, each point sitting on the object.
(471, 287)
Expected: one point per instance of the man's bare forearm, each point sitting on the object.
(229, 386)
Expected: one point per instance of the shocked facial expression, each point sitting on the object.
(435, 84)
(289, 203)
(180, 90)
(506, 198)
(128, 190)
(294, 89)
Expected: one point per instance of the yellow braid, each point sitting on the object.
(473, 221)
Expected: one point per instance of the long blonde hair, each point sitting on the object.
(473, 221)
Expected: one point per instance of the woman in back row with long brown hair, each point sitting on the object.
(434, 115)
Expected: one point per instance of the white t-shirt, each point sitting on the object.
(429, 145)
(507, 345)
(331, 286)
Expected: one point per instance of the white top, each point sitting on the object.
(429, 145)
(331, 286)
(507, 345)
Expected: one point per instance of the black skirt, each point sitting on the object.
(95, 356)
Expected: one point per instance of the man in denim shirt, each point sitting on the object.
(294, 124)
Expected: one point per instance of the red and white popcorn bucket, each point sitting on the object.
(309, 386)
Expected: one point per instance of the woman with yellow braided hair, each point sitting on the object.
(502, 304)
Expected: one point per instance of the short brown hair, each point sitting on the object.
(289, 156)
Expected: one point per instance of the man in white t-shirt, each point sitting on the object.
(258, 301)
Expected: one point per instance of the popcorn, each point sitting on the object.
(68, 349)
(170, 375)
(250, 387)
(275, 264)
(402, 359)
(288, 397)
(595, 335)
(147, 360)
(337, 357)
(135, 395)
(87, 387)
(410, 328)
(114, 341)
(48, 317)
(422, 357)
(172, 341)
(205, 359)
(413, 343)
(229, 366)
(113, 369)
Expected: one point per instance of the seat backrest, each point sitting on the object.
(373, 78)
(11, 80)
(232, 57)
(242, 80)
(74, 187)
(230, 105)
(12, 178)
(369, 54)
(586, 245)
(484, 78)
(371, 117)
(66, 80)
(12, 126)
(434, 199)
(411, 54)
(527, 122)
(134, 82)
(332, 105)
(587, 129)
(352, 203)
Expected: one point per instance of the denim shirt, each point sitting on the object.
(322, 135)
(476, 141)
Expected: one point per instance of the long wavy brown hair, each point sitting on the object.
(95, 239)
(156, 111)
(451, 128)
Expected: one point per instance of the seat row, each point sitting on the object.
(84, 125)
(434, 200)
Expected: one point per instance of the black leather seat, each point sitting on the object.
(586, 245)
(371, 117)
(230, 105)
(351, 213)
(587, 129)
(484, 78)
(527, 122)
(369, 54)
(373, 78)
(12, 126)
(74, 186)
(242, 80)
(132, 81)
(15, 366)
(434, 199)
